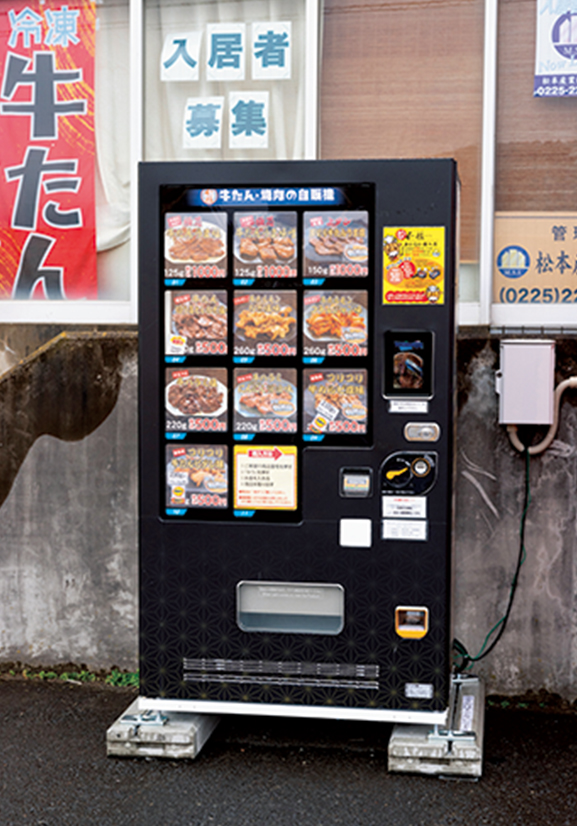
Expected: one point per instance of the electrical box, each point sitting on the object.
(526, 381)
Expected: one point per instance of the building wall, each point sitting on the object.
(68, 556)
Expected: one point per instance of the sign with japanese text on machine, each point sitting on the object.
(47, 148)
(265, 477)
(535, 258)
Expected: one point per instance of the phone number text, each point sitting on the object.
(536, 295)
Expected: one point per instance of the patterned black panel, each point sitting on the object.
(189, 610)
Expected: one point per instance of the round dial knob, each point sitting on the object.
(421, 467)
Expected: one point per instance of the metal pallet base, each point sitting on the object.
(170, 734)
(455, 750)
(417, 748)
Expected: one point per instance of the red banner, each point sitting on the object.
(47, 149)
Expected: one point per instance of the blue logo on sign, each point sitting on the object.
(564, 35)
(513, 261)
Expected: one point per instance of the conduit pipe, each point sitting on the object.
(544, 444)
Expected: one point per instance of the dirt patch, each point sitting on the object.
(540, 701)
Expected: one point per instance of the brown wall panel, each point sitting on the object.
(536, 137)
(404, 80)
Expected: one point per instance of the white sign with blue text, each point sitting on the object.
(248, 120)
(180, 56)
(556, 51)
(202, 128)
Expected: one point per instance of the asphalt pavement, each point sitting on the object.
(261, 771)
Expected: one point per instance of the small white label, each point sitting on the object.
(177, 345)
(419, 691)
(355, 533)
(467, 712)
(408, 406)
(405, 507)
(405, 529)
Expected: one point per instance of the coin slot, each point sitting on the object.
(356, 483)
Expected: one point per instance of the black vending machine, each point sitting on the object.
(297, 386)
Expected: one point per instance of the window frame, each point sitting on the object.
(99, 311)
(486, 312)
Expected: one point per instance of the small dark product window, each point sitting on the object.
(408, 364)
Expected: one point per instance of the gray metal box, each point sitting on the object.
(526, 381)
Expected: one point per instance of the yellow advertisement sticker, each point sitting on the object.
(414, 265)
(265, 477)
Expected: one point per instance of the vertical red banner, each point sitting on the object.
(47, 150)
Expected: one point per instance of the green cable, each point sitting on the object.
(466, 659)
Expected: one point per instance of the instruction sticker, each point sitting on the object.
(405, 507)
(265, 477)
(414, 265)
(412, 530)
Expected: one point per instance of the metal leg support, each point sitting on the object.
(455, 750)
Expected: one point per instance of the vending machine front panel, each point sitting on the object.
(296, 434)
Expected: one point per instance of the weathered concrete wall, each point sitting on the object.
(68, 566)
(539, 647)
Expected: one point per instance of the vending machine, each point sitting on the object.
(297, 384)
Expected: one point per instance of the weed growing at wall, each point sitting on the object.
(114, 677)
